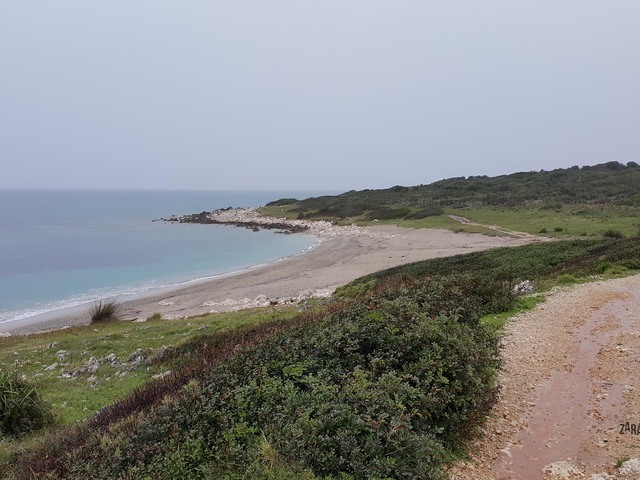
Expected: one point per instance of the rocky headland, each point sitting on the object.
(252, 219)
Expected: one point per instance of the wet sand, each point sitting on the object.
(335, 261)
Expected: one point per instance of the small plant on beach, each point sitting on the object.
(155, 316)
(103, 311)
(21, 408)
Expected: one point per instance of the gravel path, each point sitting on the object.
(570, 400)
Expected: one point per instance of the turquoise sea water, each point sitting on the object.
(64, 248)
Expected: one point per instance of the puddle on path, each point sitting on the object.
(571, 408)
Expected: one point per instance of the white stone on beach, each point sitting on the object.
(263, 301)
(319, 228)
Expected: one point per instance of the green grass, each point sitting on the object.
(440, 221)
(559, 221)
(75, 399)
(437, 221)
(279, 212)
(573, 221)
(495, 322)
(358, 377)
(563, 202)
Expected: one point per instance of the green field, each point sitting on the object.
(77, 398)
(560, 222)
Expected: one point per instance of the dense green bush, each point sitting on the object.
(387, 386)
(425, 212)
(387, 214)
(537, 262)
(21, 408)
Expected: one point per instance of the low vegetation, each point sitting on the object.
(587, 201)
(390, 380)
(541, 263)
(22, 410)
(388, 386)
(104, 311)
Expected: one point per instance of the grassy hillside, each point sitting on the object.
(390, 380)
(576, 201)
(544, 263)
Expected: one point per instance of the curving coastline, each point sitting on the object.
(343, 254)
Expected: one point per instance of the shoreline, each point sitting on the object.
(135, 295)
(342, 254)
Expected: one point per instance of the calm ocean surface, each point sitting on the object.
(60, 249)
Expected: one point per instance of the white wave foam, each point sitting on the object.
(125, 291)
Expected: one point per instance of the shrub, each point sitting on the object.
(611, 233)
(424, 213)
(282, 202)
(567, 279)
(354, 290)
(104, 310)
(21, 408)
(386, 386)
(617, 270)
(387, 214)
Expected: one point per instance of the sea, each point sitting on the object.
(62, 248)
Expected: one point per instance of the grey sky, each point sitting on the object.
(312, 95)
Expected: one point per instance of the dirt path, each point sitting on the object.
(500, 230)
(570, 400)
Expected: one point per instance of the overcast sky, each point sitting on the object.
(323, 94)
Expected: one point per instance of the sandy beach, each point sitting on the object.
(343, 254)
